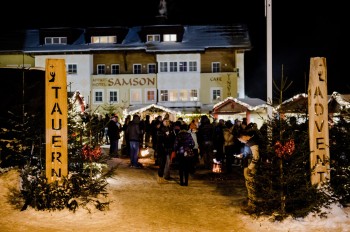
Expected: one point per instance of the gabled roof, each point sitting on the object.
(151, 108)
(195, 38)
(238, 105)
(199, 38)
(299, 103)
(338, 102)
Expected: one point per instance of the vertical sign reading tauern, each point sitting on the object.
(56, 108)
(318, 121)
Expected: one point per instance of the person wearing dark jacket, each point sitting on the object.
(113, 133)
(133, 133)
(183, 145)
(165, 145)
(205, 137)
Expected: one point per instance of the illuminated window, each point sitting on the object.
(169, 37)
(103, 39)
(183, 95)
(153, 38)
(135, 96)
(173, 95)
(188, 95)
(150, 95)
(55, 40)
(164, 95)
(194, 95)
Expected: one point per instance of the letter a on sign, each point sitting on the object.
(56, 111)
(318, 121)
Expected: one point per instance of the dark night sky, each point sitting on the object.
(301, 30)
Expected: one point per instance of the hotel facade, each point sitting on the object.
(186, 68)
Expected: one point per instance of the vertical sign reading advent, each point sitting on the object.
(56, 119)
(318, 121)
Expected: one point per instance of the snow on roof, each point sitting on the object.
(195, 38)
(162, 108)
(339, 102)
(249, 103)
(296, 103)
(299, 103)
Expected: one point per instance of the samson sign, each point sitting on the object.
(318, 121)
(56, 119)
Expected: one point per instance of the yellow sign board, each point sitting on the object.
(56, 119)
(318, 121)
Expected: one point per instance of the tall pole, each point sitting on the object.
(268, 15)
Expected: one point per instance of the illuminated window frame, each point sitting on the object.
(153, 38)
(135, 96)
(150, 95)
(104, 39)
(169, 37)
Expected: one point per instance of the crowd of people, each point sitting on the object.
(208, 141)
(202, 143)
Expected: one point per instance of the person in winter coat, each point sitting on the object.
(251, 157)
(165, 145)
(196, 159)
(133, 133)
(114, 136)
(183, 146)
(228, 145)
(218, 141)
(205, 137)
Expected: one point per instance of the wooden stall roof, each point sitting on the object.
(238, 105)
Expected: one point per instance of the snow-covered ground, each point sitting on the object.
(139, 203)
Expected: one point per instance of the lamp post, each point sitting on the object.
(268, 15)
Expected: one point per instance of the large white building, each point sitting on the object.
(188, 68)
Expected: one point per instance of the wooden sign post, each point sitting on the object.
(56, 119)
(318, 121)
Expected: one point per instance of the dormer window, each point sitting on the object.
(103, 39)
(55, 40)
(169, 37)
(153, 38)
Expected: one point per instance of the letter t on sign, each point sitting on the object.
(318, 120)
